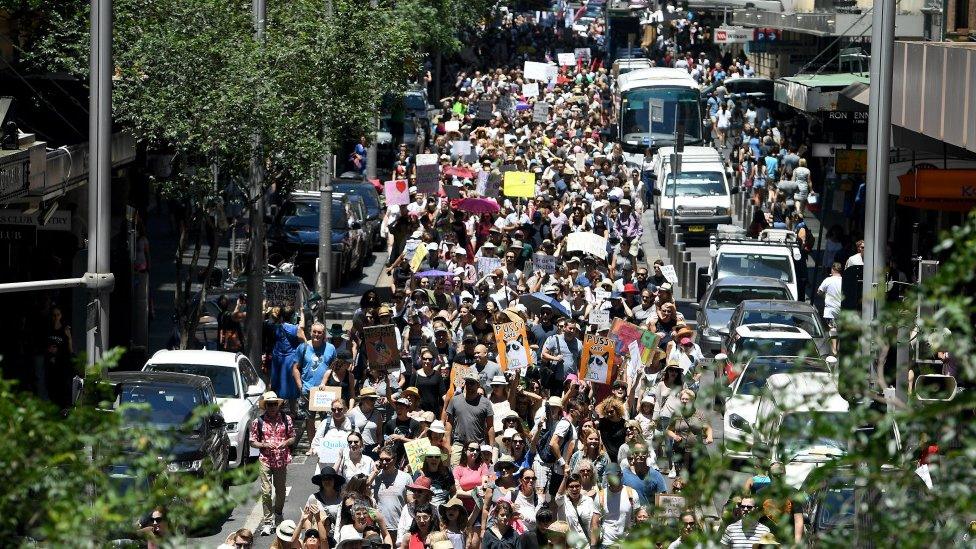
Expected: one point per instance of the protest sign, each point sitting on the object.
(381, 346)
(599, 317)
(330, 445)
(416, 451)
(452, 126)
(460, 148)
(589, 243)
(540, 112)
(428, 179)
(669, 273)
(483, 110)
(491, 186)
(320, 398)
(582, 55)
(626, 334)
(426, 159)
(530, 90)
(670, 505)
(601, 295)
(488, 264)
(534, 70)
(457, 376)
(499, 410)
(397, 192)
(513, 346)
(566, 59)
(452, 192)
(519, 184)
(596, 362)
(281, 293)
(544, 263)
(419, 255)
(482, 184)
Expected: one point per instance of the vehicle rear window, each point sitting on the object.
(728, 297)
(755, 264)
(773, 347)
(169, 405)
(806, 321)
(223, 378)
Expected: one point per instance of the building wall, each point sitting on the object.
(957, 26)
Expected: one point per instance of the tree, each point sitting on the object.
(58, 471)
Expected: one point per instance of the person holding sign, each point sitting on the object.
(312, 362)
(335, 427)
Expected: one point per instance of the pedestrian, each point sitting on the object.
(469, 416)
(272, 434)
(688, 429)
(614, 509)
(830, 290)
(641, 477)
(287, 337)
(327, 500)
(312, 360)
(389, 485)
(747, 531)
(239, 539)
(501, 535)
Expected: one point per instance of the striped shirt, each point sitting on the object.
(737, 537)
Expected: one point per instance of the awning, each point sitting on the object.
(946, 190)
(855, 97)
(815, 92)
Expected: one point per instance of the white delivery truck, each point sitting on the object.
(699, 199)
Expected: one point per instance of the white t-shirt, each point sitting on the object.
(856, 259)
(616, 510)
(831, 288)
(350, 469)
(576, 516)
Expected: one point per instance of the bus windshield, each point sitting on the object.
(648, 115)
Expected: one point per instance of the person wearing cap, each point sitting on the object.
(628, 223)
(688, 355)
(339, 339)
(312, 361)
(436, 468)
(613, 514)
(272, 435)
(454, 524)
(420, 490)
(401, 427)
(368, 419)
(666, 404)
(469, 414)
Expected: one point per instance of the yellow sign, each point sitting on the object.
(418, 257)
(416, 451)
(519, 184)
(850, 161)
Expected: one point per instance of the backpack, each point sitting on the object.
(808, 239)
(289, 429)
(545, 452)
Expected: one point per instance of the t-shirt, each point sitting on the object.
(737, 537)
(313, 363)
(570, 350)
(831, 288)
(390, 491)
(366, 424)
(566, 432)
(616, 510)
(469, 419)
(652, 483)
(577, 516)
(409, 428)
(490, 370)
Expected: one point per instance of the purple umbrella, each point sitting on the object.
(522, 106)
(432, 274)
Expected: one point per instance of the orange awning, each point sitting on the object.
(947, 190)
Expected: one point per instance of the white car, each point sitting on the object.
(742, 405)
(237, 386)
(798, 422)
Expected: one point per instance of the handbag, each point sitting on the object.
(813, 198)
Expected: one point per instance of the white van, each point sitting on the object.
(774, 255)
(704, 195)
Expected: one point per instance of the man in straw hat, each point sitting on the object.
(272, 434)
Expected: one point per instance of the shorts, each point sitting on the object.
(304, 413)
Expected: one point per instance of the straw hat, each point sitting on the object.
(269, 396)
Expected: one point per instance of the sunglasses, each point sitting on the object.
(474, 449)
(158, 519)
(527, 478)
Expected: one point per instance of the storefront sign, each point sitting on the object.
(733, 35)
(935, 189)
(850, 161)
(18, 234)
(60, 220)
(843, 122)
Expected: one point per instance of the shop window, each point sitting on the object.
(961, 15)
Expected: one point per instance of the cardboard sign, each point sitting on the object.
(331, 444)
(519, 184)
(428, 179)
(483, 110)
(419, 255)
(397, 192)
(582, 55)
(457, 376)
(482, 183)
(540, 112)
(499, 410)
(596, 362)
(492, 186)
(460, 148)
(566, 59)
(416, 452)
(488, 264)
(530, 90)
(590, 243)
(601, 295)
(534, 70)
(513, 346)
(452, 192)
(426, 159)
(670, 274)
(670, 505)
(600, 318)
(452, 126)
(381, 346)
(627, 334)
(281, 293)
(544, 263)
(320, 398)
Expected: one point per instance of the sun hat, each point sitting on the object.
(346, 540)
(368, 392)
(454, 502)
(422, 483)
(286, 530)
(509, 433)
(437, 426)
(336, 330)
(433, 451)
(471, 376)
(267, 397)
(504, 460)
(328, 472)
(498, 380)
(555, 401)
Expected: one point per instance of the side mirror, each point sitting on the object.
(254, 390)
(934, 388)
(721, 357)
(737, 421)
(831, 361)
(695, 306)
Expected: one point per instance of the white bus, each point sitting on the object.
(649, 102)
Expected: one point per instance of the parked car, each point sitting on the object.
(783, 311)
(752, 340)
(371, 199)
(720, 301)
(172, 399)
(742, 403)
(295, 233)
(236, 384)
(415, 103)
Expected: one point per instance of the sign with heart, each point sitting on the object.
(397, 192)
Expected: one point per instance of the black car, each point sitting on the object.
(374, 209)
(172, 400)
(720, 300)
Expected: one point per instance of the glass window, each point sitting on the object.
(727, 297)
(636, 115)
(696, 184)
(222, 378)
(247, 372)
(773, 347)
(802, 430)
(806, 321)
(754, 264)
(754, 377)
(307, 216)
(169, 405)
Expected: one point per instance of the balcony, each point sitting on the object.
(846, 22)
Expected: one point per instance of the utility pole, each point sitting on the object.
(100, 178)
(372, 149)
(879, 145)
(323, 281)
(255, 278)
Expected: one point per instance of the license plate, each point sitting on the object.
(696, 229)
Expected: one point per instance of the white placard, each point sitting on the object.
(545, 263)
(531, 89)
(670, 274)
(634, 365)
(426, 159)
(566, 59)
(601, 295)
(487, 265)
(533, 70)
(600, 318)
(590, 243)
(452, 126)
(460, 148)
(330, 445)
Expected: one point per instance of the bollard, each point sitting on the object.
(683, 276)
(676, 239)
(679, 249)
(668, 235)
(692, 286)
(747, 216)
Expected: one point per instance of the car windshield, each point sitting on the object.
(414, 101)
(837, 508)
(372, 202)
(307, 216)
(169, 405)
(807, 321)
(728, 297)
(775, 266)
(755, 375)
(751, 347)
(696, 184)
(801, 431)
(223, 378)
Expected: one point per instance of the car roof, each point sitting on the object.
(776, 305)
(772, 331)
(755, 247)
(156, 378)
(781, 359)
(751, 281)
(806, 391)
(196, 357)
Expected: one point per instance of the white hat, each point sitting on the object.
(498, 380)
(509, 433)
(437, 426)
(419, 233)
(458, 250)
(347, 539)
(488, 245)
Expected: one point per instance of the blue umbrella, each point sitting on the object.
(522, 106)
(534, 302)
(433, 274)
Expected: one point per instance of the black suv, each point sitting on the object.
(374, 209)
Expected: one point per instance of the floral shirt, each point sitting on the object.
(274, 430)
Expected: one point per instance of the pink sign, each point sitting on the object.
(397, 192)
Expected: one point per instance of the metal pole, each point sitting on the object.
(255, 279)
(879, 146)
(100, 173)
(324, 281)
(373, 148)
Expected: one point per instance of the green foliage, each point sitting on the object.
(56, 472)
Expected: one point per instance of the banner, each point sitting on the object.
(381, 346)
(426, 159)
(416, 452)
(566, 59)
(484, 110)
(599, 317)
(513, 346)
(281, 293)
(533, 70)
(397, 192)
(460, 149)
(626, 333)
(530, 90)
(320, 399)
(540, 112)
(519, 184)
(544, 263)
(452, 126)
(583, 55)
(596, 363)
